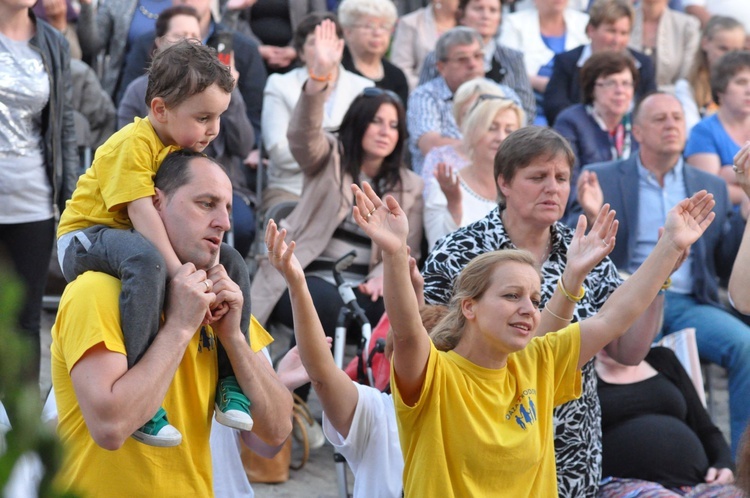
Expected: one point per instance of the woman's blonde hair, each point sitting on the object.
(472, 283)
(467, 93)
(480, 117)
(700, 73)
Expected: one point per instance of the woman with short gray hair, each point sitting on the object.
(368, 25)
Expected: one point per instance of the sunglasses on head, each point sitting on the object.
(373, 91)
(485, 97)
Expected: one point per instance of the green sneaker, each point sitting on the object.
(158, 432)
(232, 406)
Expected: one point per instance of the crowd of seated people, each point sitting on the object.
(580, 134)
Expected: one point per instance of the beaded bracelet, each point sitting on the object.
(320, 79)
(568, 295)
(557, 316)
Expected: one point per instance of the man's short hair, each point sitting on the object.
(185, 69)
(610, 11)
(725, 69)
(174, 171)
(307, 26)
(458, 36)
(639, 104)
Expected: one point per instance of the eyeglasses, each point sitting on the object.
(373, 91)
(373, 27)
(483, 98)
(612, 84)
(466, 59)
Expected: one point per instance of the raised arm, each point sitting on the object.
(584, 253)
(685, 223)
(386, 224)
(334, 388)
(309, 144)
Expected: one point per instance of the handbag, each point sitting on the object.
(276, 470)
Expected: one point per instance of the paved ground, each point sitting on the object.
(318, 478)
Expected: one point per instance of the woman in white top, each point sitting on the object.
(280, 96)
(541, 33)
(457, 198)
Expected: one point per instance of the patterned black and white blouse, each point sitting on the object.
(578, 448)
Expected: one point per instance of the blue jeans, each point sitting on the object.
(722, 339)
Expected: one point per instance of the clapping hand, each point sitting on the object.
(587, 251)
(589, 194)
(687, 221)
(384, 222)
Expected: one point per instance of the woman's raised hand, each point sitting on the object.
(587, 251)
(280, 255)
(329, 49)
(384, 222)
(687, 221)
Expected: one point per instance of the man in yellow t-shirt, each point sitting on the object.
(101, 402)
(458, 409)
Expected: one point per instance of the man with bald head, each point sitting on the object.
(642, 189)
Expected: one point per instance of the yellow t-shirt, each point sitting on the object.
(89, 314)
(123, 171)
(488, 432)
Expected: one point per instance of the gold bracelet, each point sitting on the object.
(319, 79)
(557, 316)
(571, 297)
(667, 284)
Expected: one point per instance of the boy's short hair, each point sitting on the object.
(183, 70)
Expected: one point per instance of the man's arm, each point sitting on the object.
(272, 402)
(147, 222)
(116, 401)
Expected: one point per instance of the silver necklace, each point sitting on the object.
(150, 15)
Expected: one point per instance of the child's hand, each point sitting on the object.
(280, 255)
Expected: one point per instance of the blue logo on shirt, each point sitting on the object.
(524, 411)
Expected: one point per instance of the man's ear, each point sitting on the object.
(159, 109)
(159, 199)
(440, 65)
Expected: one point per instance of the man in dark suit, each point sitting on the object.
(610, 23)
(641, 190)
(247, 60)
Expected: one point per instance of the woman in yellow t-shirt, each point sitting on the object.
(475, 418)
